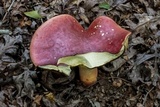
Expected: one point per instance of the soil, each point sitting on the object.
(132, 80)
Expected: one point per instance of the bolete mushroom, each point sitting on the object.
(61, 43)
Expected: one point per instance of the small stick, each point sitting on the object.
(8, 10)
(5, 31)
(149, 21)
(145, 98)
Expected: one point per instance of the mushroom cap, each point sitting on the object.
(62, 36)
(54, 39)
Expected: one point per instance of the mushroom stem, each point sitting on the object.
(88, 75)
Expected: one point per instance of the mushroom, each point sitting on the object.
(61, 43)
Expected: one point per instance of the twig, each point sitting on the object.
(5, 31)
(145, 98)
(149, 21)
(120, 78)
(8, 10)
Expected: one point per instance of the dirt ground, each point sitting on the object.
(132, 80)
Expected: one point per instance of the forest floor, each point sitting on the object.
(132, 80)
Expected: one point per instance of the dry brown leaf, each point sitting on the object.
(25, 22)
(117, 82)
(84, 18)
(50, 97)
(37, 99)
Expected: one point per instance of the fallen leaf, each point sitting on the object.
(84, 18)
(38, 99)
(24, 84)
(33, 14)
(104, 6)
(117, 83)
(8, 49)
(50, 97)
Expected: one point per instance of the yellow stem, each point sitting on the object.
(88, 75)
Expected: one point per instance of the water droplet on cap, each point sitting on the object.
(102, 34)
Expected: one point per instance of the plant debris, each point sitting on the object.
(132, 80)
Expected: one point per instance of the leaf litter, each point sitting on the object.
(135, 73)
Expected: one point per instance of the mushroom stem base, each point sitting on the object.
(88, 75)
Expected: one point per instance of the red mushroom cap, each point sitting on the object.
(63, 36)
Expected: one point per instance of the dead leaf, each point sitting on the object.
(139, 105)
(25, 22)
(84, 18)
(116, 64)
(8, 49)
(89, 4)
(37, 99)
(143, 57)
(76, 2)
(117, 83)
(137, 40)
(24, 84)
(50, 97)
